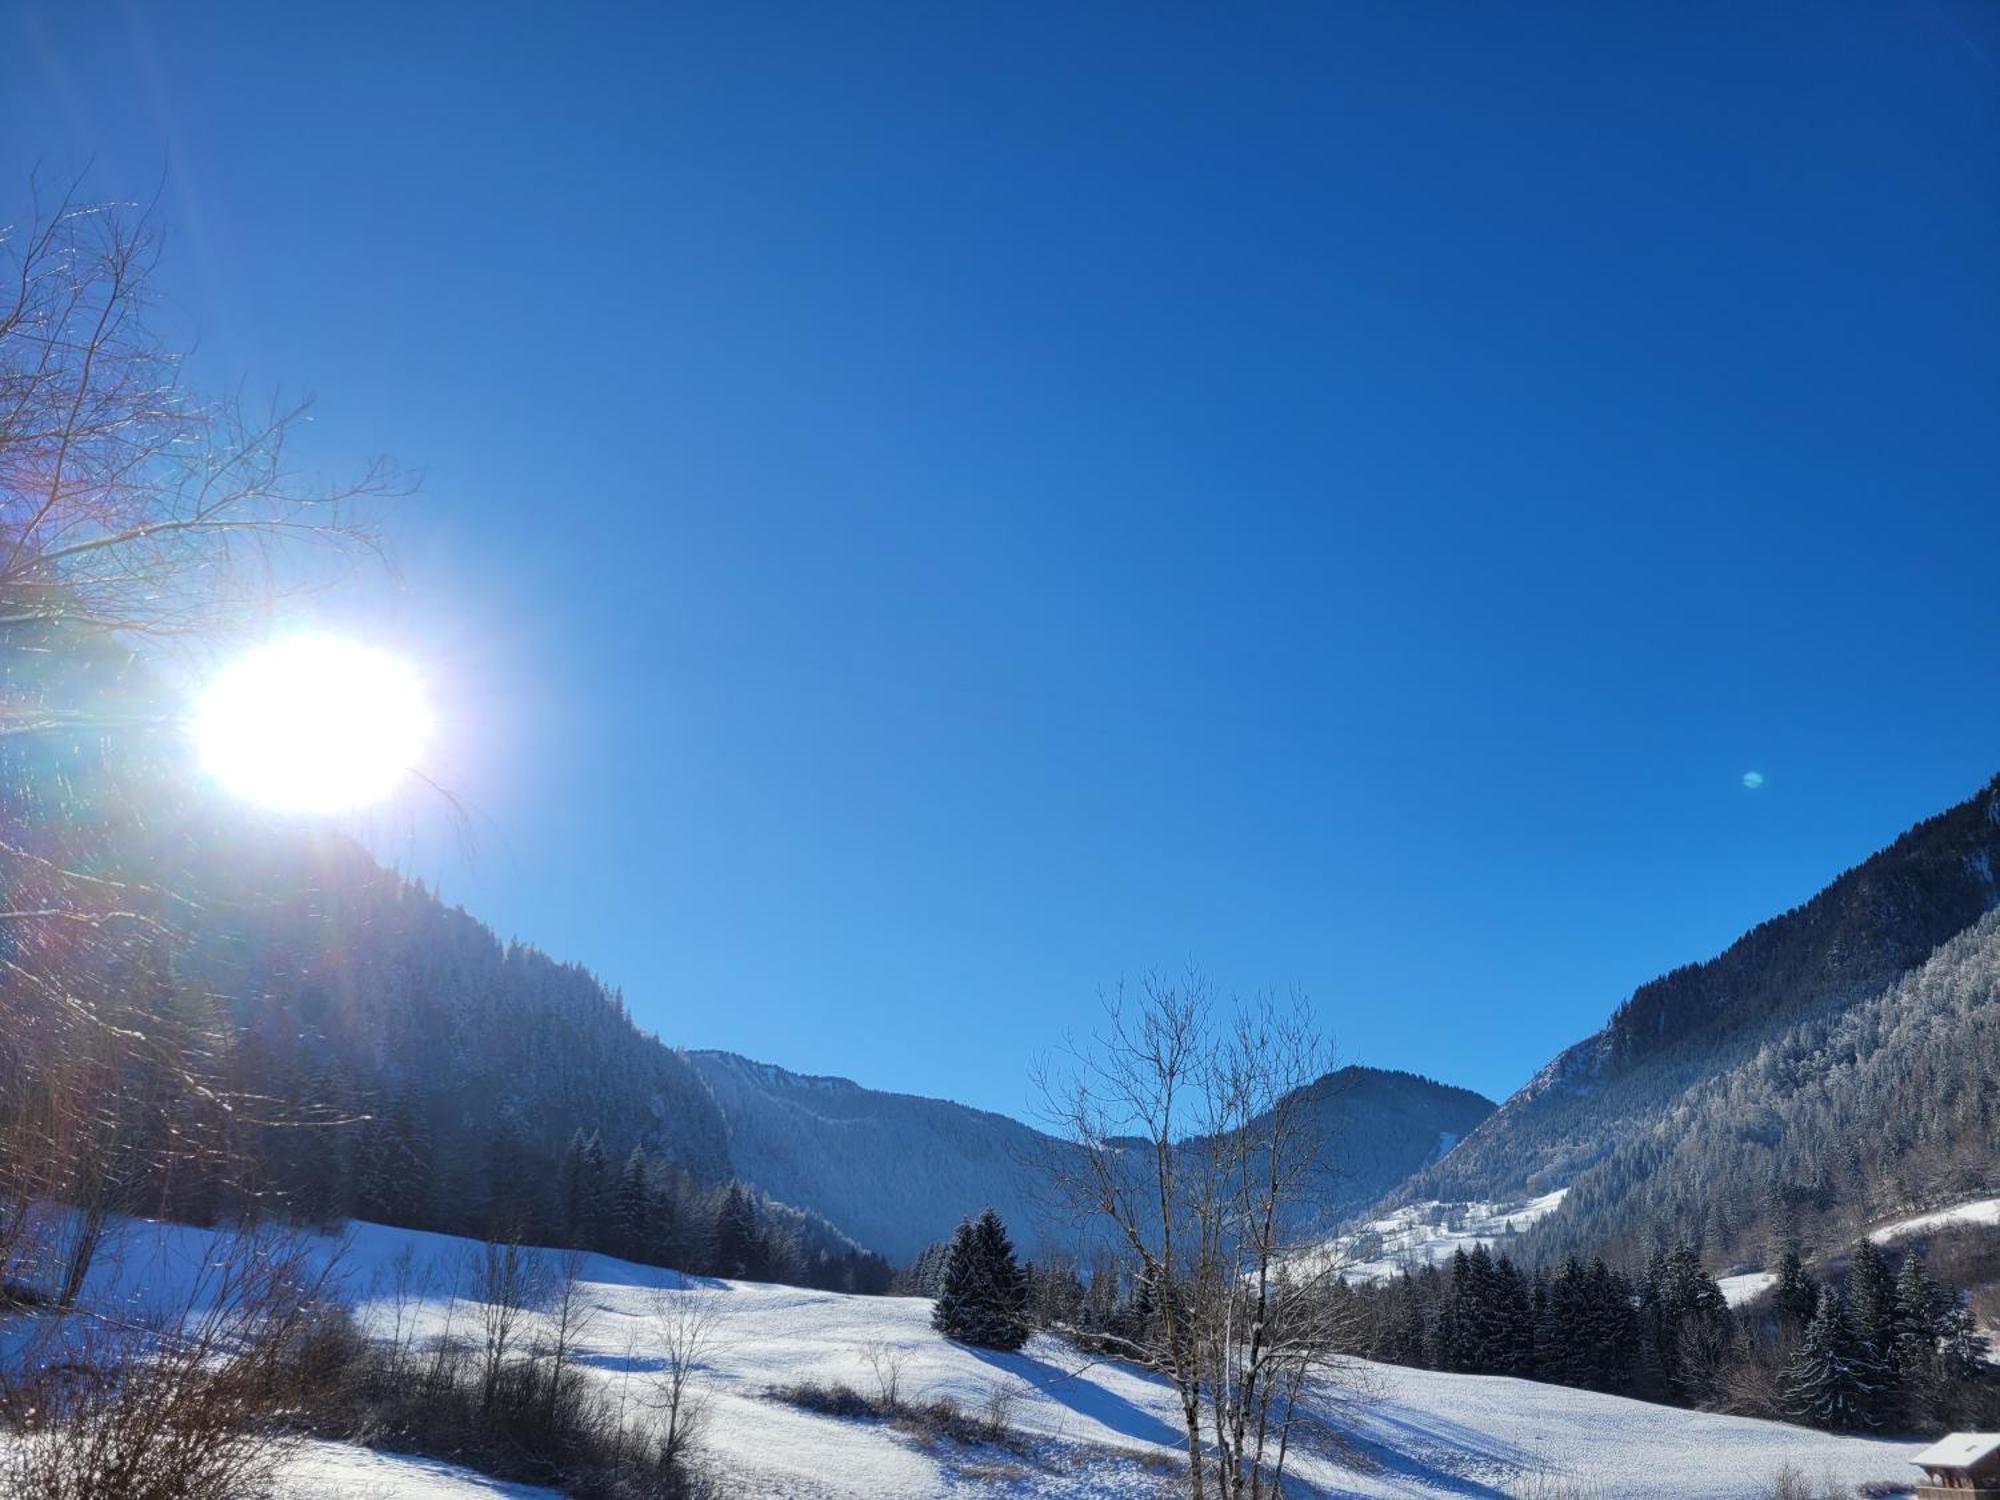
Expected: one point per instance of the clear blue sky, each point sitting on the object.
(933, 508)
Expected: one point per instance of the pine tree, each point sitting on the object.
(1833, 1381)
(1871, 1300)
(1612, 1329)
(632, 1205)
(1514, 1350)
(739, 1249)
(1684, 1309)
(1918, 1304)
(984, 1300)
(1796, 1296)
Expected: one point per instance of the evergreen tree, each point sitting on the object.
(984, 1300)
(739, 1247)
(1796, 1296)
(1684, 1309)
(1871, 1300)
(1919, 1302)
(1832, 1380)
(632, 1205)
(1612, 1330)
(1513, 1349)
(1567, 1354)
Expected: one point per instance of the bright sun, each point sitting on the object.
(312, 724)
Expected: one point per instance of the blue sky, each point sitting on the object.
(930, 509)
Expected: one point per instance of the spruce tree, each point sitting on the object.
(632, 1205)
(1612, 1337)
(1795, 1298)
(984, 1300)
(1871, 1300)
(1832, 1380)
(738, 1242)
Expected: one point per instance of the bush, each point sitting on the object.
(186, 1406)
(829, 1399)
(1790, 1483)
(524, 1420)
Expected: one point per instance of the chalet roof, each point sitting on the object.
(1960, 1450)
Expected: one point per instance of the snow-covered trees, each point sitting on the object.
(1795, 1298)
(984, 1297)
(1804, 1353)
(1687, 1319)
(1833, 1379)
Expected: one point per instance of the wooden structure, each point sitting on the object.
(1964, 1466)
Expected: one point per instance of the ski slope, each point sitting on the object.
(1088, 1430)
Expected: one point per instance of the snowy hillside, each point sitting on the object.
(1082, 1429)
(1422, 1234)
(1978, 1211)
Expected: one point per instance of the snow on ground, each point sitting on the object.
(1421, 1234)
(1977, 1211)
(341, 1471)
(1746, 1286)
(1088, 1431)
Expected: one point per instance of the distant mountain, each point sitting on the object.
(1682, 1033)
(1380, 1126)
(1847, 1118)
(893, 1170)
(896, 1172)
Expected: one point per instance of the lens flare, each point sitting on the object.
(312, 724)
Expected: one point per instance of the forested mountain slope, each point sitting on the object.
(1380, 1125)
(1842, 1119)
(291, 1028)
(897, 1172)
(893, 1170)
(1864, 931)
(361, 993)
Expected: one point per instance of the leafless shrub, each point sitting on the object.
(504, 1284)
(996, 1412)
(182, 1405)
(886, 1360)
(827, 1399)
(1791, 1483)
(686, 1333)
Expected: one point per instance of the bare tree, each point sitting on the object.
(134, 511)
(506, 1284)
(129, 503)
(567, 1317)
(1126, 1106)
(1189, 1134)
(687, 1332)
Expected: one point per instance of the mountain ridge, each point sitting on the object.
(1863, 931)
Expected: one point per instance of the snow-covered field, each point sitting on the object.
(1978, 1211)
(1087, 1429)
(1421, 1234)
(341, 1471)
(1746, 1286)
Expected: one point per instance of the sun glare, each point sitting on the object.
(313, 724)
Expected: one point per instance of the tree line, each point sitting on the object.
(1874, 1349)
